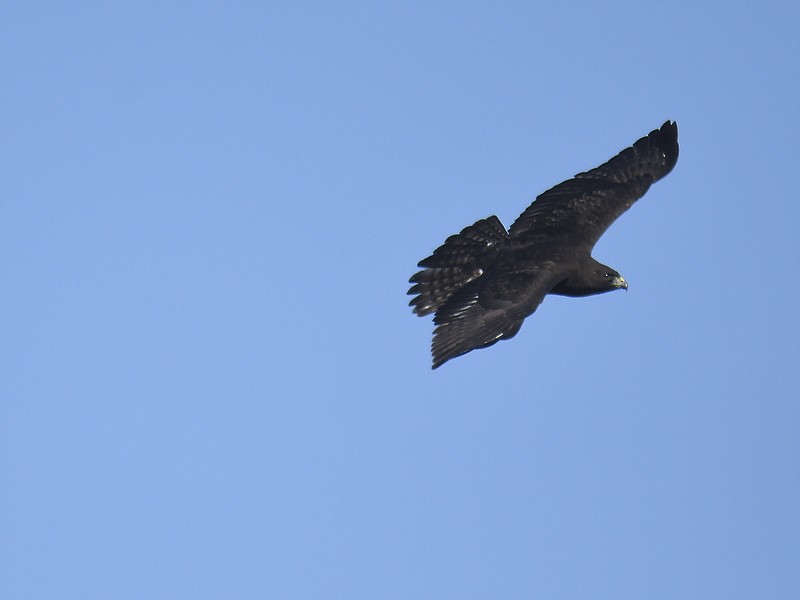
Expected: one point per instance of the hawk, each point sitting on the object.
(483, 282)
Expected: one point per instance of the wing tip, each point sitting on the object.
(665, 138)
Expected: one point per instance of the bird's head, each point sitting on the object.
(592, 278)
(607, 279)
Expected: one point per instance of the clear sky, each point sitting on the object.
(212, 384)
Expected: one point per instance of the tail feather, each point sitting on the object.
(462, 258)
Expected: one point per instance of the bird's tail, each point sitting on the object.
(462, 258)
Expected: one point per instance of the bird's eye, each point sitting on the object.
(606, 275)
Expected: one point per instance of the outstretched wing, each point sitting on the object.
(489, 309)
(579, 210)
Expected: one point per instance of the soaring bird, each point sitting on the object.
(483, 282)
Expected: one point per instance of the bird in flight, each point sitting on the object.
(483, 282)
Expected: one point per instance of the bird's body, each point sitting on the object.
(483, 282)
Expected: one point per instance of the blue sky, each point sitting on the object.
(212, 385)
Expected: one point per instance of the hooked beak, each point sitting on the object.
(621, 283)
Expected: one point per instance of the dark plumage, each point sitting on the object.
(484, 281)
